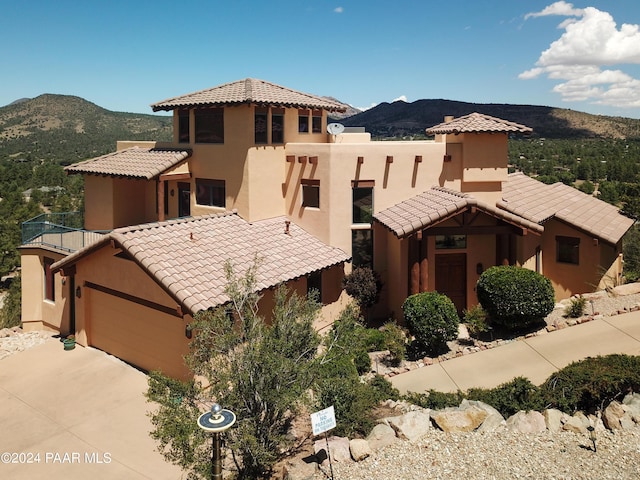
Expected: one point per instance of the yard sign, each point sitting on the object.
(323, 420)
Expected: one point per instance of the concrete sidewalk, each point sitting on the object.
(535, 358)
(75, 414)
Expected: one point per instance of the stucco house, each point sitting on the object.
(253, 170)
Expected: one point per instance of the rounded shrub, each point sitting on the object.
(364, 285)
(515, 296)
(432, 319)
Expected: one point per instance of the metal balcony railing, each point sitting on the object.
(62, 231)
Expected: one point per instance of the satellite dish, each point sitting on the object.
(335, 128)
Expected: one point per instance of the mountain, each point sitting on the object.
(401, 119)
(67, 129)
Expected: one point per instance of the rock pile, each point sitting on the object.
(13, 340)
(413, 424)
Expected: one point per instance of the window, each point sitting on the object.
(568, 250)
(183, 126)
(209, 125)
(310, 193)
(316, 121)
(444, 242)
(277, 126)
(362, 248)
(49, 282)
(314, 282)
(210, 192)
(260, 126)
(303, 121)
(362, 202)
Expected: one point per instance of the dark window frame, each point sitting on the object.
(209, 125)
(184, 125)
(316, 121)
(310, 193)
(277, 126)
(260, 130)
(568, 250)
(304, 125)
(211, 192)
(314, 282)
(49, 280)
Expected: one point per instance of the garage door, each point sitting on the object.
(144, 337)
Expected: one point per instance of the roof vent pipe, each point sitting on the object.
(287, 223)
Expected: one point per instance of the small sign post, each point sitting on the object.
(322, 422)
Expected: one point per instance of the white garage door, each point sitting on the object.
(142, 336)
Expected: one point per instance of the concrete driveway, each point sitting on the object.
(78, 414)
(535, 358)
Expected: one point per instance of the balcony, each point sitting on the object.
(62, 231)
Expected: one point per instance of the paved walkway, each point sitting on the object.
(535, 358)
(77, 414)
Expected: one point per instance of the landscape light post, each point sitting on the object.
(216, 421)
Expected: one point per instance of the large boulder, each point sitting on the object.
(298, 469)
(360, 449)
(338, 450)
(612, 415)
(381, 436)
(526, 422)
(554, 419)
(452, 420)
(411, 426)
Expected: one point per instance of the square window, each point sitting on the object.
(568, 250)
(211, 193)
(311, 193)
(209, 125)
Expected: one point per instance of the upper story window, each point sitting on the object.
(210, 192)
(568, 250)
(303, 121)
(361, 230)
(277, 125)
(260, 126)
(362, 202)
(49, 281)
(310, 193)
(183, 126)
(316, 121)
(209, 125)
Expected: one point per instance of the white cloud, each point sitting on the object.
(401, 98)
(338, 10)
(591, 40)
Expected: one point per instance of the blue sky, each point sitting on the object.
(126, 54)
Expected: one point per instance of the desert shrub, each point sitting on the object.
(383, 389)
(364, 285)
(374, 340)
(434, 399)
(395, 340)
(10, 314)
(432, 319)
(362, 361)
(576, 307)
(510, 397)
(514, 296)
(592, 383)
(476, 320)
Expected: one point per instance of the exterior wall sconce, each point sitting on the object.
(447, 158)
(188, 331)
(78, 292)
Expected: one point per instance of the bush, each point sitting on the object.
(592, 383)
(10, 314)
(432, 319)
(364, 285)
(476, 320)
(514, 296)
(575, 309)
(435, 400)
(395, 341)
(510, 397)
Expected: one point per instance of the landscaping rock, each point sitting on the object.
(381, 436)
(553, 419)
(459, 420)
(360, 449)
(338, 449)
(298, 469)
(575, 424)
(492, 423)
(411, 426)
(612, 415)
(526, 422)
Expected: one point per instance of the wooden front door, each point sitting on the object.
(451, 278)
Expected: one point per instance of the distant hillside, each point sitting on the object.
(66, 129)
(399, 119)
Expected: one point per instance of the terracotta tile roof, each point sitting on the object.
(436, 205)
(249, 91)
(538, 202)
(187, 256)
(477, 123)
(134, 162)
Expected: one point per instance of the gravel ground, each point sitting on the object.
(503, 455)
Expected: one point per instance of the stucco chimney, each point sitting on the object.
(448, 118)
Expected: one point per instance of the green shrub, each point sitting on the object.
(10, 314)
(362, 361)
(476, 320)
(395, 341)
(435, 400)
(432, 319)
(364, 285)
(373, 340)
(514, 296)
(592, 383)
(576, 307)
(510, 397)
